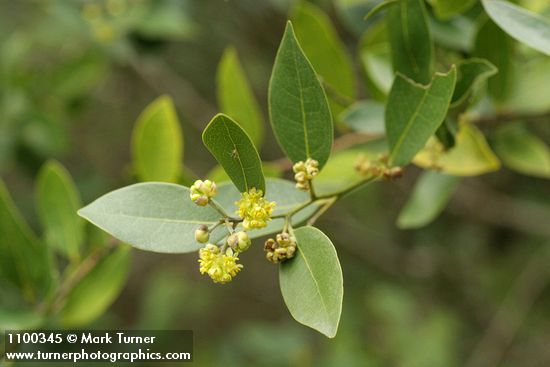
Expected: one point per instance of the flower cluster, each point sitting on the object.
(377, 168)
(304, 173)
(281, 249)
(202, 191)
(221, 267)
(254, 209)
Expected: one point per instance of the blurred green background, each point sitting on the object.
(471, 289)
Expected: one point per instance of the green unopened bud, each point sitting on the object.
(244, 241)
(239, 241)
(201, 192)
(201, 234)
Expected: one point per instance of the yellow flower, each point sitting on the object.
(221, 267)
(254, 209)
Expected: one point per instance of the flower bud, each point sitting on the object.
(201, 192)
(244, 241)
(281, 249)
(393, 173)
(201, 234)
(304, 173)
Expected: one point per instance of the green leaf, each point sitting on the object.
(324, 49)
(25, 262)
(445, 9)
(160, 217)
(410, 40)
(157, 145)
(446, 133)
(531, 87)
(414, 112)
(236, 97)
(339, 172)
(495, 46)
(375, 57)
(218, 174)
(431, 194)
(20, 319)
(521, 24)
(235, 152)
(471, 73)
(312, 283)
(522, 151)
(454, 34)
(57, 200)
(298, 107)
(97, 290)
(380, 7)
(471, 155)
(365, 117)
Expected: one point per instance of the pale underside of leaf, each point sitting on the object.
(312, 283)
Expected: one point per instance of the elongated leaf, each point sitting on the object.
(57, 201)
(97, 290)
(299, 111)
(157, 145)
(235, 152)
(457, 33)
(312, 283)
(431, 194)
(160, 217)
(410, 40)
(521, 24)
(414, 112)
(494, 45)
(380, 7)
(375, 57)
(236, 98)
(471, 155)
(325, 50)
(365, 117)
(471, 73)
(25, 262)
(218, 174)
(522, 151)
(445, 9)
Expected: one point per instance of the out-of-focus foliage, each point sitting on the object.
(468, 287)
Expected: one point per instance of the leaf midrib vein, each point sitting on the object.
(409, 124)
(238, 154)
(317, 288)
(302, 109)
